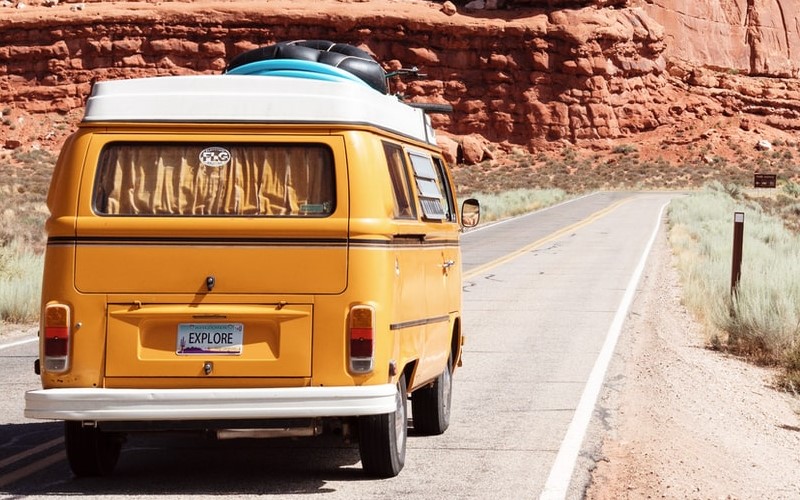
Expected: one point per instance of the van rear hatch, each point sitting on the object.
(210, 251)
(219, 340)
(199, 216)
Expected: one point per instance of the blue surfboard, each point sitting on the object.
(294, 68)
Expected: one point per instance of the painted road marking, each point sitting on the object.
(547, 239)
(34, 467)
(561, 474)
(535, 212)
(18, 343)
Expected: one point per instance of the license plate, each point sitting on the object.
(210, 338)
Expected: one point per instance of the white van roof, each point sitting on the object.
(253, 99)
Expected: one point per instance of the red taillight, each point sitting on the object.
(362, 329)
(56, 337)
(55, 341)
(361, 342)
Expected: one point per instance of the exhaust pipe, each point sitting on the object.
(269, 433)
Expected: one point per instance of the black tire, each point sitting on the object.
(90, 451)
(382, 438)
(430, 406)
(432, 107)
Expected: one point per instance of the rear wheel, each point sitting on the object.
(90, 451)
(382, 438)
(430, 406)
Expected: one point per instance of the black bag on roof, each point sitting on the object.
(340, 55)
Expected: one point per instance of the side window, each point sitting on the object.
(403, 206)
(432, 196)
(444, 183)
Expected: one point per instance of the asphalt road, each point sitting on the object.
(543, 297)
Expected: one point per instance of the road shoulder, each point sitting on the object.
(11, 332)
(680, 421)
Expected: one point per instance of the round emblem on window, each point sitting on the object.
(215, 156)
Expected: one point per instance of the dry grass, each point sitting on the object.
(761, 321)
(24, 180)
(20, 283)
(496, 206)
(621, 169)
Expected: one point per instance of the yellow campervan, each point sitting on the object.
(272, 251)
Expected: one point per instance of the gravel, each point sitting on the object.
(677, 420)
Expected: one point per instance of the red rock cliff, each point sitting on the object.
(758, 37)
(521, 76)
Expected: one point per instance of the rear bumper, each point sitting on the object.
(208, 404)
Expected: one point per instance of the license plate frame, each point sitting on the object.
(210, 339)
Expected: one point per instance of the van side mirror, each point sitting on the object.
(470, 212)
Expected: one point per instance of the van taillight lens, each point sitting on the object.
(362, 330)
(56, 337)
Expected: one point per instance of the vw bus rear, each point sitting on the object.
(248, 256)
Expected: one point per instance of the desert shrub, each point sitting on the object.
(495, 206)
(792, 189)
(569, 154)
(791, 210)
(733, 190)
(24, 181)
(625, 149)
(762, 319)
(20, 282)
(791, 380)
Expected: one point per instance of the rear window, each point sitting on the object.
(169, 179)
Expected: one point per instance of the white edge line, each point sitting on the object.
(510, 219)
(18, 342)
(561, 473)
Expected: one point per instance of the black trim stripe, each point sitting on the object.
(255, 242)
(161, 241)
(418, 322)
(405, 242)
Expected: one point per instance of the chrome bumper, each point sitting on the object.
(209, 404)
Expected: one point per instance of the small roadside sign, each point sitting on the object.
(765, 180)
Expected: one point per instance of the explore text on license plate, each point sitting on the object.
(210, 338)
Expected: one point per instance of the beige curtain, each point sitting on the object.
(154, 179)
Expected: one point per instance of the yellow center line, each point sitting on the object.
(36, 449)
(33, 467)
(547, 239)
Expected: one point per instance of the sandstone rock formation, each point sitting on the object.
(758, 37)
(528, 74)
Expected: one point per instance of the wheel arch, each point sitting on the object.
(456, 342)
(409, 370)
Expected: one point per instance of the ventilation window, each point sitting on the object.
(430, 193)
